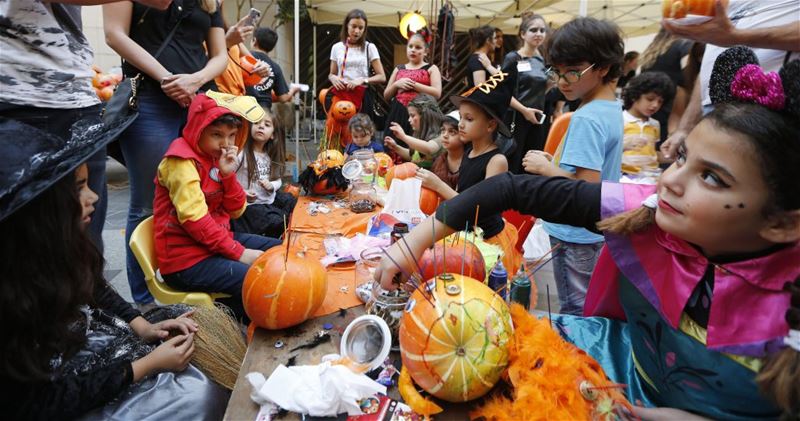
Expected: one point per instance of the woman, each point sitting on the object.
(351, 61)
(190, 61)
(479, 65)
(529, 96)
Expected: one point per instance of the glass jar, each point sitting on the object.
(389, 306)
(369, 164)
(363, 197)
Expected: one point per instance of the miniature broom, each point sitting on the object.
(219, 344)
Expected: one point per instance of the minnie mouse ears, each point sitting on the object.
(737, 77)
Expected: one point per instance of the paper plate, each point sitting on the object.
(366, 340)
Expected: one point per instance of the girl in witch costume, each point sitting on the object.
(720, 234)
(72, 347)
(481, 109)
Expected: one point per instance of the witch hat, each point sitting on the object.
(493, 96)
(35, 159)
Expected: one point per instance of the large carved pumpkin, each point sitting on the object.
(451, 260)
(278, 295)
(343, 110)
(457, 348)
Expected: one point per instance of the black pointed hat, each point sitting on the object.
(493, 96)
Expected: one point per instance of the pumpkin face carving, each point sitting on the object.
(456, 348)
(278, 295)
(343, 110)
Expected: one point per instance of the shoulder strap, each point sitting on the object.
(427, 66)
(168, 38)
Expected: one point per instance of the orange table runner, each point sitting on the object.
(308, 233)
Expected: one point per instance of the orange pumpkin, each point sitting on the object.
(428, 200)
(322, 187)
(331, 158)
(401, 172)
(343, 110)
(248, 63)
(322, 94)
(384, 163)
(450, 260)
(280, 293)
(456, 348)
(676, 9)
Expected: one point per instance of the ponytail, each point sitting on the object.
(632, 221)
(780, 377)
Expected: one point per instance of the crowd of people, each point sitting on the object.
(670, 201)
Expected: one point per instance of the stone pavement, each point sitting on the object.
(114, 241)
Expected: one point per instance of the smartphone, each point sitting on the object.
(541, 118)
(253, 16)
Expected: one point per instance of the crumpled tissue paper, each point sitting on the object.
(322, 390)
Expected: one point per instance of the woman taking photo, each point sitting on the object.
(530, 92)
(189, 61)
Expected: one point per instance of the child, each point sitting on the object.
(425, 119)
(264, 40)
(447, 164)
(72, 347)
(408, 80)
(260, 168)
(480, 109)
(705, 285)
(197, 194)
(643, 96)
(361, 129)
(586, 54)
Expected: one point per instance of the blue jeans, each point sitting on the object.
(572, 268)
(58, 122)
(219, 274)
(143, 145)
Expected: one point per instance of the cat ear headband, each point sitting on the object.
(738, 77)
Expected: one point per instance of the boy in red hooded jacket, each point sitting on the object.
(196, 196)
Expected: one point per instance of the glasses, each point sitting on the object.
(572, 76)
(535, 30)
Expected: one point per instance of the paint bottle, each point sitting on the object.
(398, 230)
(521, 288)
(498, 278)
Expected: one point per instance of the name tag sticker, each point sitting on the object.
(523, 66)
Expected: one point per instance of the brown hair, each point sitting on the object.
(275, 149)
(657, 47)
(210, 6)
(354, 14)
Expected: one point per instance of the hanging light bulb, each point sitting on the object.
(411, 21)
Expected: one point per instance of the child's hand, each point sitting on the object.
(251, 197)
(337, 82)
(227, 161)
(404, 84)
(249, 256)
(172, 355)
(161, 330)
(267, 185)
(429, 179)
(262, 68)
(390, 143)
(537, 162)
(397, 130)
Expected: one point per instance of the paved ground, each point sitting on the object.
(114, 239)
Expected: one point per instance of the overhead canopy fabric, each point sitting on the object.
(635, 17)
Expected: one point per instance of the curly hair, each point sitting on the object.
(361, 122)
(588, 40)
(656, 82)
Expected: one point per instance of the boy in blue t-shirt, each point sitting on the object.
(361, 129)
(586, 54)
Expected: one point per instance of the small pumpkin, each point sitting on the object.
(342, 111)
(280, 291)
(455, 342)
(676, 9)
(450, 260)
(248, 63)
(331, 158)
(428, 200)
(401, 172)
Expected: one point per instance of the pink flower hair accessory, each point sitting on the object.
(753, 85)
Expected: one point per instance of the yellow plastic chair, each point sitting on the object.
(145, 252)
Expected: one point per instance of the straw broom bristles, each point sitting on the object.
(219, 344)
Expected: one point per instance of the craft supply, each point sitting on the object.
(498, 280)
(219, 347)
(521, 289)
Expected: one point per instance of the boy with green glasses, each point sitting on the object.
(586, 54)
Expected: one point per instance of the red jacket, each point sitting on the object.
(203, 232)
